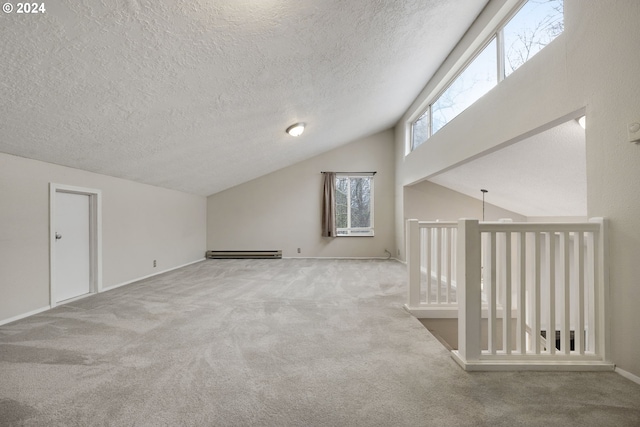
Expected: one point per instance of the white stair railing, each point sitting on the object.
(538, 290)
(432, 267)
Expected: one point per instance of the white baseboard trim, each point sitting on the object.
(628, 375)
(48, 307)
(23, 315)
(74, 299)
(150, 275)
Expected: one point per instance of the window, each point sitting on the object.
(477, 79)
(420, 130)
(354, 205)
(533, 27)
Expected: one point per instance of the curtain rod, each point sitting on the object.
(372, 173)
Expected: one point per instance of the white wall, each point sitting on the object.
(427, 201)
(593, 66)
(282, 210)
(140, 223)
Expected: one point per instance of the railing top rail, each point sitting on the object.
(556, 227)
(437, 224)
(538, 226)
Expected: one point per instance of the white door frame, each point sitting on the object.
(95, 236)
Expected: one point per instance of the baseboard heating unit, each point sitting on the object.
(244, 254)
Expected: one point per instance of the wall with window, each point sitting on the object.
(282, 210)
(524, 31)
(592, 68)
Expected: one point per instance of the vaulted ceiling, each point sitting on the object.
(195, 95)
(543, 175)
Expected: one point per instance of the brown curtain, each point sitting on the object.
(329, 205)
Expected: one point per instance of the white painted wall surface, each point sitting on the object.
(282, 210)
(427, 201)
(592, 66)
(140, 223)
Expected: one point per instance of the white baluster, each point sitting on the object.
(491, 295)
(506, 305)
(438, 262)
(565, 331)
(449, 254)
(551, 264)
(579, 257)
(536, 293)
(428, 258)
(521, 303)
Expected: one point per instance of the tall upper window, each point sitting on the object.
(477, 79)
(354, 205)
(533, 27)
(420, 129)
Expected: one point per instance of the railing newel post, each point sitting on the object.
(468, 290)
(603, 335)
(413, 261)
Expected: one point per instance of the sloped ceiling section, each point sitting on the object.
(195, 95)
(544, 175)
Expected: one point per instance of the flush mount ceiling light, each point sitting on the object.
(296, 129)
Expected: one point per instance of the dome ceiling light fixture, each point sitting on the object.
(296, 129)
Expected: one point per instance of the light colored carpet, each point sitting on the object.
(273, 343)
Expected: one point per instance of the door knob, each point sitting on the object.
(58, 236)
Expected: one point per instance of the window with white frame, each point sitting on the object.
(354, 205)
(533, 26)
(420, 129)
(478, 78)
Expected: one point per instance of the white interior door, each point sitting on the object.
(72, 246)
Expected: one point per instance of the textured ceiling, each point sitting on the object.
(544, 175)
(194, 95)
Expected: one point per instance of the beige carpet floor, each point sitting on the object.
(289, 342)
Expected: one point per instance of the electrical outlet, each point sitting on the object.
(154, 263)
(299, 251)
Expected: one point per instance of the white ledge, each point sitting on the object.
(533, 365)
